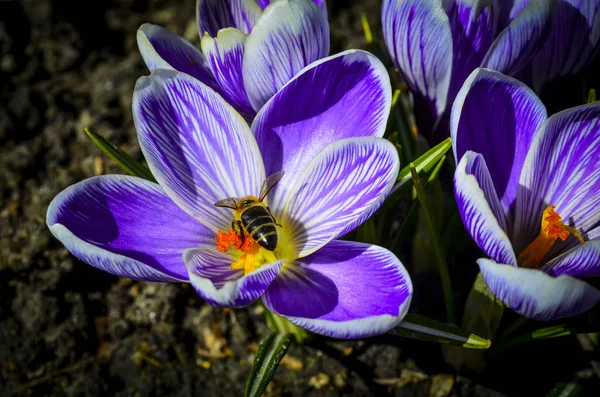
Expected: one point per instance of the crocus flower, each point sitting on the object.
(573, 42)
(323, 129)
(250, 49)
(528, 192)
(436, 44)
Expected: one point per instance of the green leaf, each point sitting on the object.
(367, 233)
(411, 216)
(423, 164)
(591, 96)
(270, 352)
(555, 331)
(366, 28)
(564, 389)
(426, 329)
(125, 161)
(483, 311)
(436, 244)
(482, 316)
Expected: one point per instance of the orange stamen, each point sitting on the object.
(552, 229)
(224, 240)
(252, 254)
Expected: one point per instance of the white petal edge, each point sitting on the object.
(496, 243)
(536, 295)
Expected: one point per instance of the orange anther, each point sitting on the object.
(552, 229)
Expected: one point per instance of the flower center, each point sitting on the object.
(248, 255)
(551, 230)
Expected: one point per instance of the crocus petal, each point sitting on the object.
(290, 35)
(344, 290)
(213, 15)
(516, 45)
(342, 96)
(562, 169)
(197, 146)
(162, 49)
(536, 295)
(341, 187)
(581, 261)
(418, 37)
(509, 11)
(125, 226)
(213, 279)
(497, 116)
(473, 27)
(225, 54)
(573, 42)
(320, 3)
(480, 208)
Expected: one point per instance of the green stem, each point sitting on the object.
(282, 324)
(435, 240)
(413, 208)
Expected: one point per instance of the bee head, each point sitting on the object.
(247, 202)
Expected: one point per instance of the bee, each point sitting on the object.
(253, 217)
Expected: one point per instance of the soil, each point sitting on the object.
(67, 329)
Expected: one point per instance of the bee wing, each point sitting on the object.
(229, 202)
(269, 183)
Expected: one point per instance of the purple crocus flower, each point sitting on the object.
(250, 49)
(436, 44)
(323, 129)
(573, 42)
(528, 192)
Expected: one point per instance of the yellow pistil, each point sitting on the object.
(250, 255)
(551, 230)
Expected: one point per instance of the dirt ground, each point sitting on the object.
(67, 329)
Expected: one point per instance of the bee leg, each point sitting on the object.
(274, 221)
(240, 231)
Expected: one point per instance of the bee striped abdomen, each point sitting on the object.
(259, 224)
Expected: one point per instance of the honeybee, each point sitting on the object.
(253, 217)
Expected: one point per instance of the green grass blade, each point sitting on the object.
(423, 164)
(423, 328)
(270, 352)
(555, 331)
(125, 161)
(434, 237)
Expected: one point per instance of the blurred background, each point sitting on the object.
(67, 329)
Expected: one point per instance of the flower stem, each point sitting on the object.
(282, 324)
(435, 242)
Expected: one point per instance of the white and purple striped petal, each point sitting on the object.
(341, 187)
(497, 116)
(125, 226)
(518, 43)
(473, 25)
(320, 3)
(213, 279)
(481, 210)
(225, 55)
(573, 42)
(162, 49)
(342, 96)
(213, 15)
(581, 261)
(509, 11)
(344, 290)
(562, 169)
(290, 35)
(536, 295)
(419, 39)
(198, 147)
